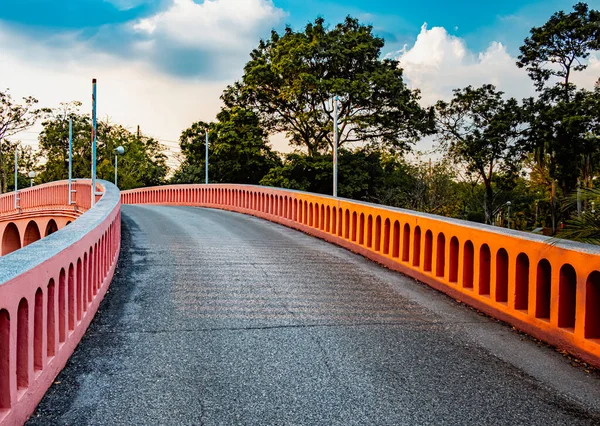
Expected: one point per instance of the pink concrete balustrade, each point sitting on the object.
(549, 290)
(50, 289)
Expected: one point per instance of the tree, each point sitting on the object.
(481, 130)
(562, 117)
(558, 47)
(27, 160)
(14, 118)
(360, 173)
(143, 163)
(291, 79)
(238, 150)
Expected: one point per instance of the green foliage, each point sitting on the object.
(291, 78)
(14, 118)
(360, 172)
(481, 130)
(143, 163)
(557, 48)
(238, 150)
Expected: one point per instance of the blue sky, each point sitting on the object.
(163, 63)
(101, 22)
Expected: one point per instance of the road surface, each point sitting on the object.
(217, 318)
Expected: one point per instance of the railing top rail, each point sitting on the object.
(27, 258)
(528, 236)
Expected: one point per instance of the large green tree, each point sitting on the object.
(482, 130)
(561, 118)
(238, 150)
(291, 78)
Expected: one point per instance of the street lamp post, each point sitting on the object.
(31, 176)
(508, 203)
(335, 146)
(94, 139)
(16, 178)
(206, 160)
(118, 151)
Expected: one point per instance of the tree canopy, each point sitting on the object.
(291, 79)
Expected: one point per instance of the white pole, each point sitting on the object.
(94, 139)
(335, 147)
(16, 178)
(206, 160)
(70, 160)
(116, 167)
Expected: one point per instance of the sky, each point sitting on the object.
(162, 64)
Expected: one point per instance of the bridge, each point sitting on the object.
(271, 306)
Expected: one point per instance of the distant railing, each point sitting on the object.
(50, 290)
(549, 290)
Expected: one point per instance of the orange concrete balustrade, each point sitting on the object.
(50, 290)
(551, 291)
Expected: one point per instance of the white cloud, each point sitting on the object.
(129, 92)
(216, 24)
(438, 63)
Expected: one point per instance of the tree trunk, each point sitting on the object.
(487, 202)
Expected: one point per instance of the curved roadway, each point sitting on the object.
(217, 318)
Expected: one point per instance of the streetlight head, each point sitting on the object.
(32, 174)
(508, 203)
(119, 150)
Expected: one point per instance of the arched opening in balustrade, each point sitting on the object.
(32, 233)
(62, 306)
(354, 225)
(361, 231)
(295, 211)
(485, 260)
(80, 296)
(468, 264)
(453, 273)
(328, 220)
(23, 344)
(543, 296)
(334, 220)
(11, 240)
(406, 243)
(51, 228)
(440, 256)
(290, 210)
(522, 282)
(96, 272)
(71, 289)
(396, 240)
(386, 237)
(4, 360)
(90, 276)
(567, 296)
(51, 320)
(317, 215)
(38, 330)
(428, 251)
(305, 213)
(310, 214)
(340, 221)
(370, 231)
(377, 233)
(592, 306)
(502, 276)
(347, 224)
(417, 247)
(322, 217)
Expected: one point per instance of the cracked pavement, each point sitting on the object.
(217, 318)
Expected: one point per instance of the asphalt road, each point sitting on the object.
(216, 318)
